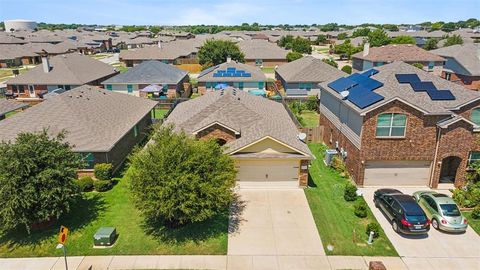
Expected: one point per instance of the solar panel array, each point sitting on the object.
(231, 72)
(424, 86)
(360, 88)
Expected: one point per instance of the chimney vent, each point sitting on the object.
(366, 49)
(229, 59)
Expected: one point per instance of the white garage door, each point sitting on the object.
(396, 173)
(268, 173)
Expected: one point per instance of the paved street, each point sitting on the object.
(273, 222)
(436, 245)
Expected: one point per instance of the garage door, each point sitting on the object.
(282, 172)
(396, 173)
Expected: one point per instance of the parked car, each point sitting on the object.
(442, 211)
(403, 212)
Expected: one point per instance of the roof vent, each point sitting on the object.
(302, 136)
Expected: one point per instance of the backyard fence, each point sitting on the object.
(314, 135)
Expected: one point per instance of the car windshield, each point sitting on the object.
(416, 218)
(450, 210)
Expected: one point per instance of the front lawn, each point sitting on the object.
(310, 118)
(474, 223)
(335, 219)
(158, 113)
(268, 69)
(115, 208)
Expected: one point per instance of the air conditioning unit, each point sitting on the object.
(329, 154)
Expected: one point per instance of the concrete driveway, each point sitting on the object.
(273, 222)
(436, 245)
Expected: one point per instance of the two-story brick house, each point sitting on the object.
(401, 127)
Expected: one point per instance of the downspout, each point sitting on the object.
(432, 172)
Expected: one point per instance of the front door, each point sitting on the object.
(31, 91)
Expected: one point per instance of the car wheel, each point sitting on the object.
(435, 224)
(395, 226)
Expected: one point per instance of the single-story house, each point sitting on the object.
(408, 53)
(397, 125)
(300, 78)
(462, 64)
(150, 77)
(65, 71)
(263, 53)
(8, 106)
(267, 150)
(231, 73)
(101, 125)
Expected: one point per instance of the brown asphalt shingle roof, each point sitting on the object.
(392, 89)
(7, 106)
(257, 74)
(69, 69)
(255, 117)
(467, 55)
(308, 69)
(398, 52)
(262, 49)
(95, 119)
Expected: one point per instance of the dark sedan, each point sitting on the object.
(403, 212)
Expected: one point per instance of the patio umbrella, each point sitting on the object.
(221, 86)
(152, 88)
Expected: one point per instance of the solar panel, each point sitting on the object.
(231, 69)
(407, 78)
(367, 100)
(441, 95)
(371, 84)
(422, 86)
(246, 74)
(357, 92)
(370, 72)
(342, 84)
(357, 77)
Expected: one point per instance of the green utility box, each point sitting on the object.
(105, 236)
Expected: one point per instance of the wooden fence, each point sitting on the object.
(314, 135)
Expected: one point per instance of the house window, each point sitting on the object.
(260, 85)
(258, 62)
(14, 89)
(109, 87)
(473, 157)
(305, 86)
(67, 87)
(135, 131)
(391, 125)
(431, 65)
(165, 88)
(88, 159)
(240, 85)
(475, 117)
(129, 88)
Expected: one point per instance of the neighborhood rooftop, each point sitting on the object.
(308, 69)
(398, 52)
(467, 55)
(95, 119)
(208, 75)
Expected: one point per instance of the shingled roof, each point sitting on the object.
(257, 74)
(467, 55)
(398, 52)
(7, 106)
(392, 90)
(147, 72)
(249, 114)
(66, 69)
(95, 119)
(308, 69)
(262, 49)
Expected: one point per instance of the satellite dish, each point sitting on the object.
(302, 136)
(344, 94)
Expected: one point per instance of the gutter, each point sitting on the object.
(432, 172)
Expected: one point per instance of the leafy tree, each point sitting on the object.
(292, 56)
(37, 174)
(403, 40)
(214, 52)
(297, 44)
(331, 62)
(378, 38)
(321, 39)
(431, 44)
(342, 36)
(329, 27)
(453, 40)
(179, 180)
(155, 29)
(361, 32)
(347, 49)
(285, 41)
(436, 26)
(390, 27)
(448, 27)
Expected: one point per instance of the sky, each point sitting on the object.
(233, 12)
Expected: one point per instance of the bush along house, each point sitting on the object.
(397, 125)
(103, 126)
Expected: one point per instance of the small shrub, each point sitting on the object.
(350, 193)
(468, 196)
(102, 185)
(340, 167)
(331, 62)
(361, 209)
(418, 65)
(476, 212)
(103, 171)
(347, 69)
(312, 103)
(85, 183)
(373, 227)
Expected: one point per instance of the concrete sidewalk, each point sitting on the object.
(234, 262)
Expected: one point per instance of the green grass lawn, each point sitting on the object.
(115, 208)
(120, 67)
(268, 70)
(310, 118)
(6, 73)
(474, 223)
(334, 217)
(159, 113)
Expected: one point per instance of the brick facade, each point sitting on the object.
(470, 82)
(418, 144)
(217, 132)
(303, 173)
